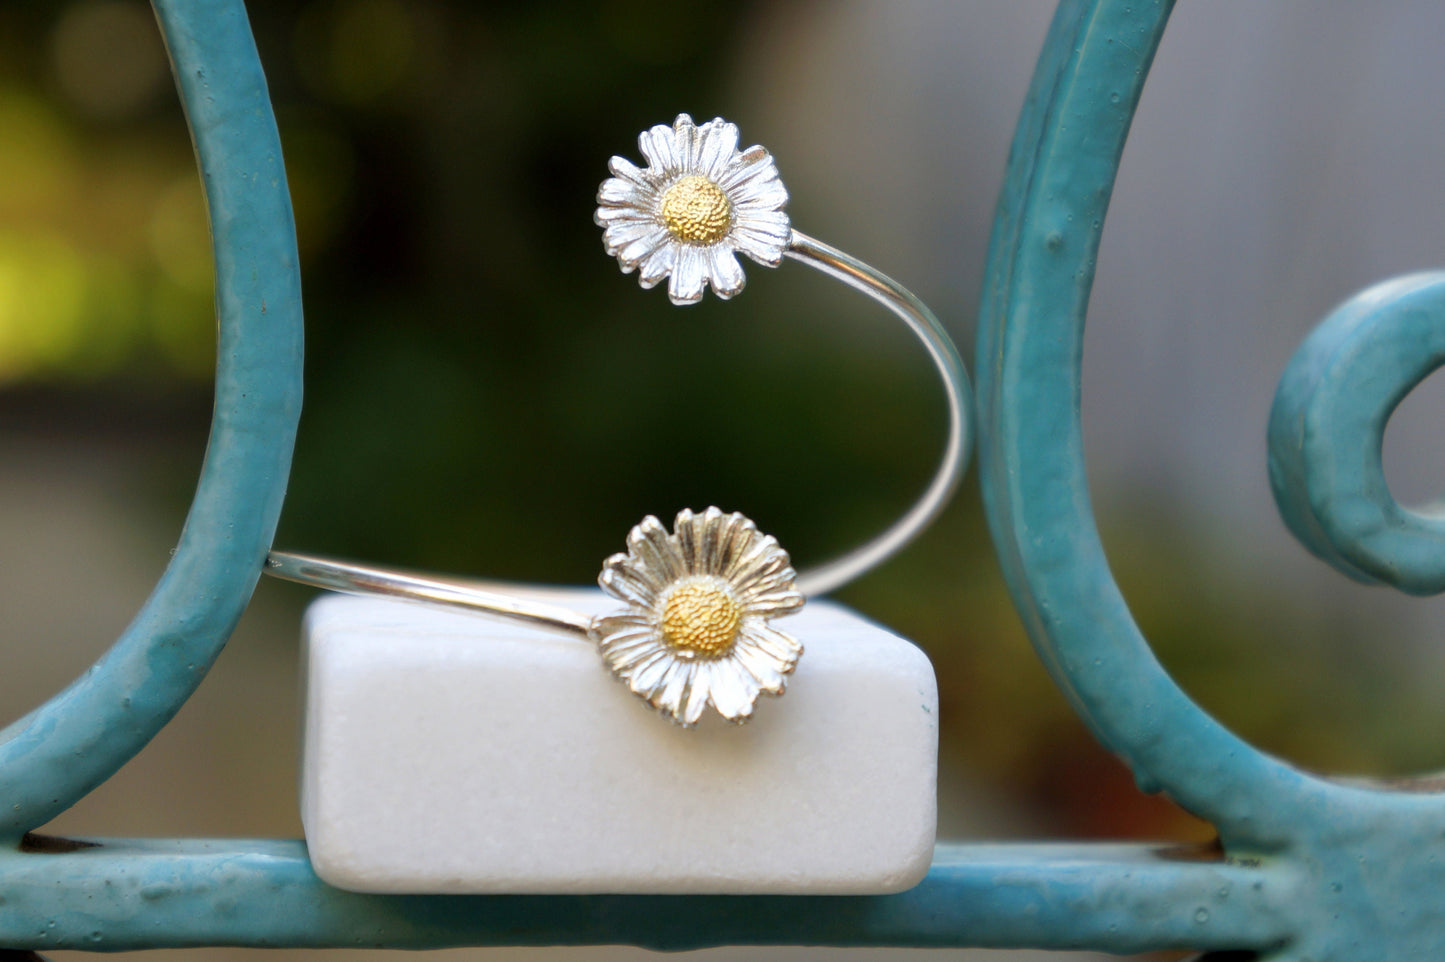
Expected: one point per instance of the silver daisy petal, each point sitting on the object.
(719, 145)
(689, 276)
(724, 272)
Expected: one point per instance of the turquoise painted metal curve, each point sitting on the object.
(1368, 859)
(1030, 345)
(55, 755)
(1327, 432)
(1310, 869)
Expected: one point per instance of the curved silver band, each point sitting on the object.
(922, 322)
(487, 597)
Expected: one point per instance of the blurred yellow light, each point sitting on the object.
(180, 235)
(182, 324)
(112, 318)
(181, 315)
(38, 160)
(42, 295)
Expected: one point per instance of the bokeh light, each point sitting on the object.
(108, 57)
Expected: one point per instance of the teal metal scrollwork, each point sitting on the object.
(1327, 430)
(1349, 871)
(1309, 868)
(55, 755)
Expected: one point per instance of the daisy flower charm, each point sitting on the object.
(695, 630)
(698, 203)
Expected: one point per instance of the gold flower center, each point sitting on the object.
(696, 210)
(701, 616)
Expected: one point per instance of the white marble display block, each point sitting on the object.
(446, 752)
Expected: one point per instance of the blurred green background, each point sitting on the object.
(486, 394)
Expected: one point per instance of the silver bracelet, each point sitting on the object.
(698, 600)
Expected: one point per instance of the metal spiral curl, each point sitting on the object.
(1327, 430)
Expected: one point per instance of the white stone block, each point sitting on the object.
(449, 753)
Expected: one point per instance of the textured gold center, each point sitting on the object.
(696, 210)
(701, 616)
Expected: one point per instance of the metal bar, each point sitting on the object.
(132, 894)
